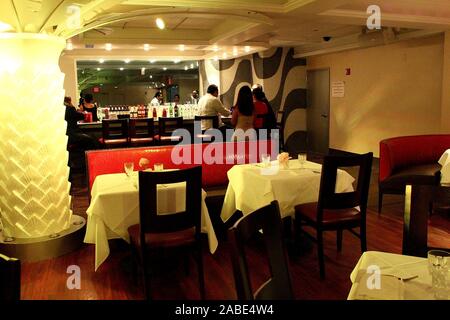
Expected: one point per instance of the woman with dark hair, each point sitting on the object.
(243, 116)
(262, 107)
(90, 106)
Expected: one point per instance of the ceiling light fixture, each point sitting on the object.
(176, 61)
(101, 60)
(127, 60)
(69, 45)
(152, 61)
(146, 47)
(142, 71)
(108, 47)
(160, 23)
(186, 68)
(164, 68)
(192, 66)
(247, 49)
(121, 69)
(151, 77)
(98, 69)
(216, 48)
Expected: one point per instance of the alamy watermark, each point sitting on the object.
(374, 20)
(74, 280)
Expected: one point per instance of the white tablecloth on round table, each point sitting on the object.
(444, 161)
(392, 266)
(250, 188)
(115, 207)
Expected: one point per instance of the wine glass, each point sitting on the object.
(265, 160)
(438, 267)
(129, 167)
(302, 159)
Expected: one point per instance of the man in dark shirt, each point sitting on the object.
(76, 136)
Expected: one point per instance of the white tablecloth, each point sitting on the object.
(251, 188)
(115, 207)
(444, 161)
(391, 266)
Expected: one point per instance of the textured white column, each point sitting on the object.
(34, 187)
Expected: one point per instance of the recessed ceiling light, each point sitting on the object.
(176, 61)
(98, 69)
(181, 47)
(5, 27)
(146, 47)
(186, 68)
(127, 60)
(247, 49)
(216, 48)
(192, 66)
(164, 68)
(160, 23)
(108, 47)
(151, 77)
(121, 69)
(101, 60)
(152, 61)
(69, 46)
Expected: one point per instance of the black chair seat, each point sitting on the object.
(165, 240)
(308, 211)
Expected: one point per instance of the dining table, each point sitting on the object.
(389, 276)
(253, 186)
(114, 208)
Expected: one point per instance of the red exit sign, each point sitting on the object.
(96, 89)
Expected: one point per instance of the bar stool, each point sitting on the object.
(166, 126)
(141, 132)
(115, 133)
(206, 138)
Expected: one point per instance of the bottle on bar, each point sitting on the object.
(155, 114)
(164, 113)
(170, 110)
(175, 111)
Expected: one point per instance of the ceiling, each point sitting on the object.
(211, 29)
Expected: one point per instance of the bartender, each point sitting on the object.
(156, 99)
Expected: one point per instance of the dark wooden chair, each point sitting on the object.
(214, 124)
(114, 133)
(170, 231)
(336, 211)
(267, 219)
(281, 121)
(9, 278)
(417, 207)
(141, 132)
(166, 126)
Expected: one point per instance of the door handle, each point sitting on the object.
(324, 115)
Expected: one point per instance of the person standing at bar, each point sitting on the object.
(244, 116)
(75, 135)
(262, 107)
(156, 100)
(90, 106)
(210, 105)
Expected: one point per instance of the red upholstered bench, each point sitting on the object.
(409, 160)
(214, 175)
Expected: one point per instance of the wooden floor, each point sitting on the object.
(47, 279)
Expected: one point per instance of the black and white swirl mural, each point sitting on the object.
(283, 78)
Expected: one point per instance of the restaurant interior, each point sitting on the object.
(225, 150)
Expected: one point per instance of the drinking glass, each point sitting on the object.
(159, 167)
(129, 167)
(265, 158)
(438, 266)
(302, 159)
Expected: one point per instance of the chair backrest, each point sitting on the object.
(167, 125)
(141, 128)
(213, 119)
(418, 199)
(115, 129)
(150, 220)
(329, 199)
(267, 219)
(9, 278)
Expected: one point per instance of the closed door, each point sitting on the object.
(318, 110)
